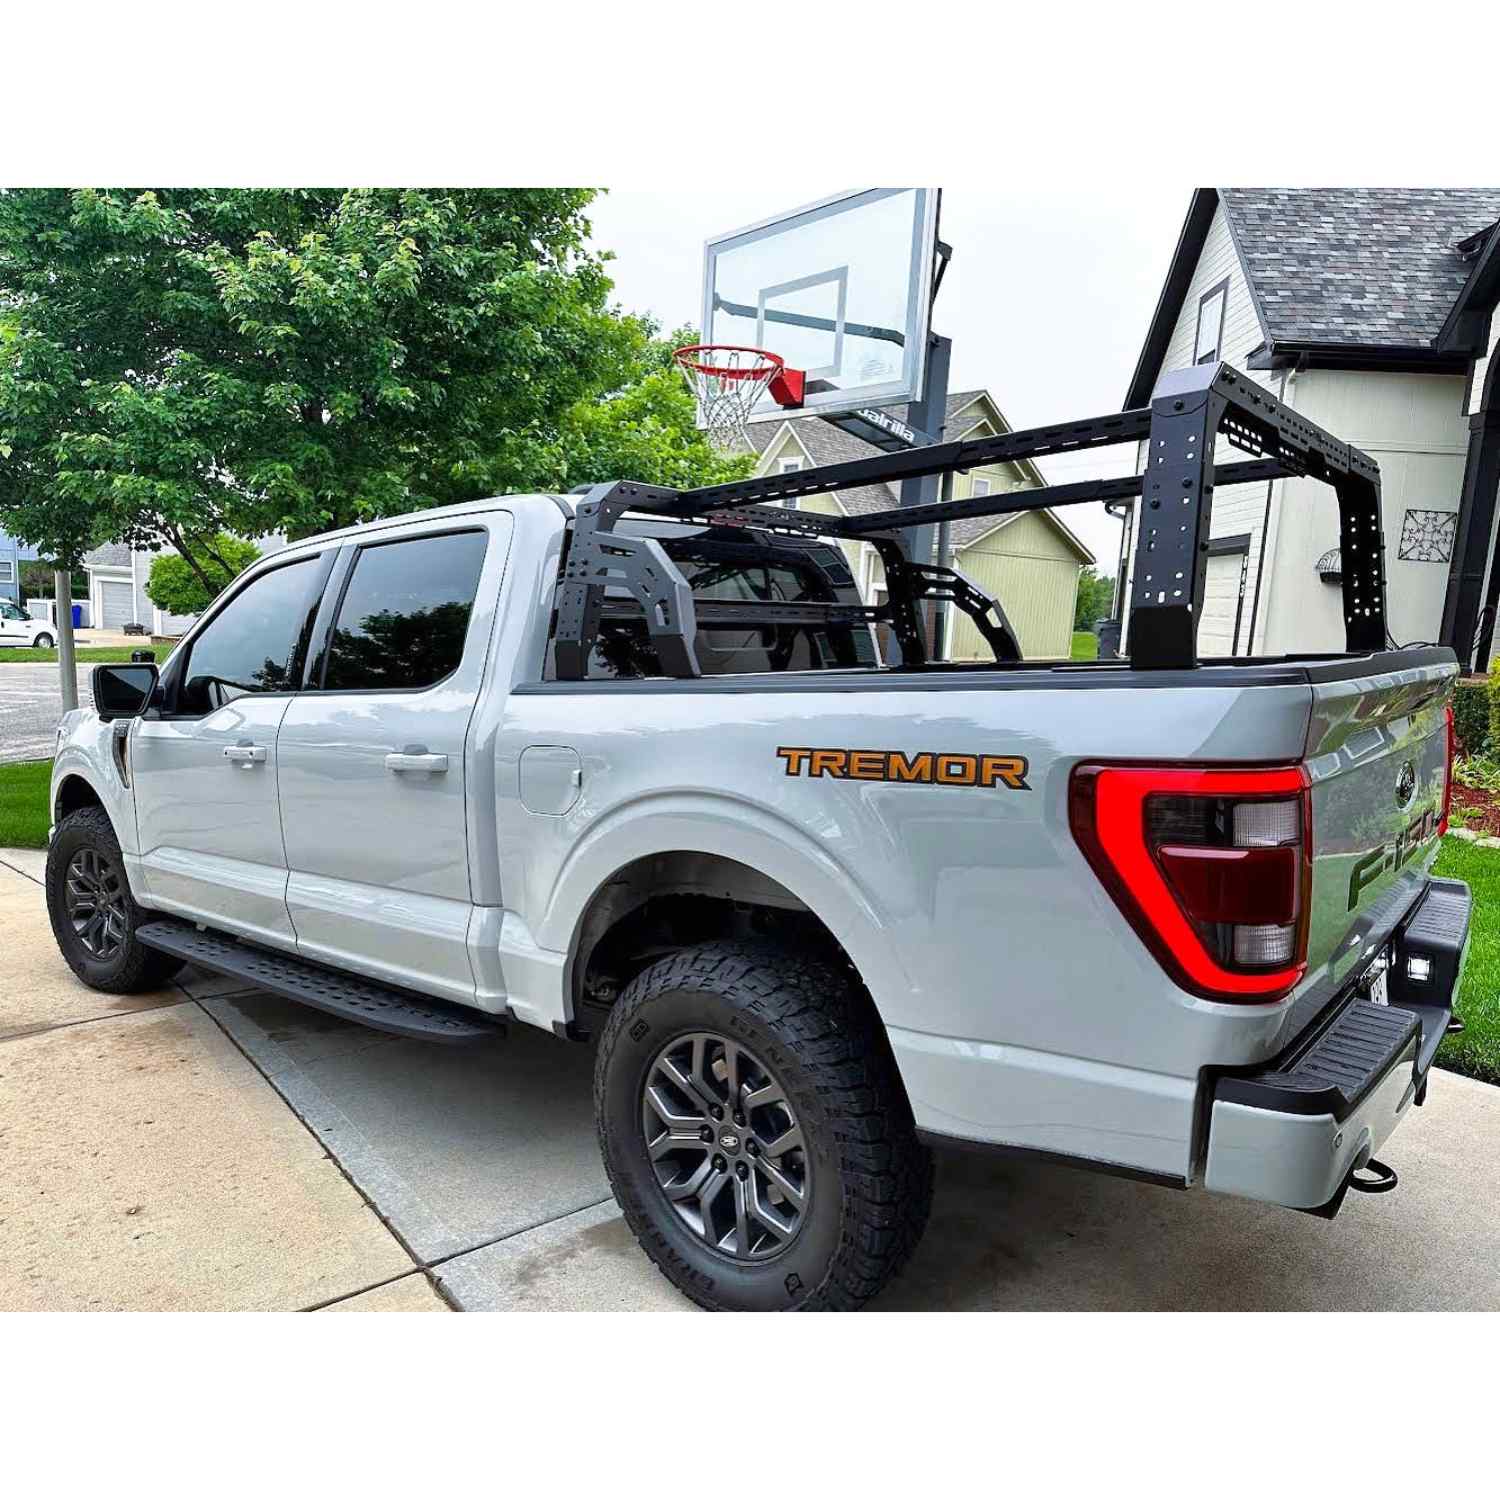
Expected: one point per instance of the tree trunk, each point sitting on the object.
(67, 665)
(176, 538)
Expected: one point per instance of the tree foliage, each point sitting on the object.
(646, 429)
(178, 586)
(179, 363)
(1096, 597)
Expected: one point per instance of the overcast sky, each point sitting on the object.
(1046, 301)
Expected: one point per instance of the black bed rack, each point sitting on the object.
(1190, 409)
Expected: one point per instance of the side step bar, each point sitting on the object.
(340, 994)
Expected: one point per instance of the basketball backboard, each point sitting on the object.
(841, 289)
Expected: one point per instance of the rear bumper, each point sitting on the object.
(1295, 1131)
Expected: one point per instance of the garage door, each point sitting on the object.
(116, 604)
(1221, 604)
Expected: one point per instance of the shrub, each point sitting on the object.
(1473, 709)
(1492, 688)
(176, 588)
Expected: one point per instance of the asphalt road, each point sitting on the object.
(30, 706)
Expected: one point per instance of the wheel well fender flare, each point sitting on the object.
(764, 843)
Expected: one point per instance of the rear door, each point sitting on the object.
(372, 756)
(204, 767)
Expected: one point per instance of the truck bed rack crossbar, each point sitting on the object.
(1190, 411)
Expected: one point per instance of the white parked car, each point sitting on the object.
(17, 628)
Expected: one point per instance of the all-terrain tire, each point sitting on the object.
(870, 1178)
(134, 967)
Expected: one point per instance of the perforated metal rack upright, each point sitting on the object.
(1189, 410)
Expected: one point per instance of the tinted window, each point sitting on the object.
(249, 645)
(743, 570)
(405, 613)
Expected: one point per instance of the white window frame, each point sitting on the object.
(981, 479)
(788, 465)
(7, 570)
(1215, 351)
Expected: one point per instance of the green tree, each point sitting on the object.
(37, 581)
(179, 363)
(1096, 595)
(178, 587)
(645, 429)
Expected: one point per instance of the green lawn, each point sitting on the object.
(80, 653)
(23, 804)
(1477, 1050)
(1085, 645)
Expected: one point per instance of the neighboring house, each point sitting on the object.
(117, 587)
(12, 554)
(1029, 561)
(1363, 310)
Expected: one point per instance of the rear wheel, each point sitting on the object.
(43, 642)
(756, 1133)
(94, 916)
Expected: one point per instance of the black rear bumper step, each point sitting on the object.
(1333, 1074)
(340, 994)
(1332, 1069)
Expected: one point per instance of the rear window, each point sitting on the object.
(741, 569)
(405, 613)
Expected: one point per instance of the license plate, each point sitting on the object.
(1376, 987)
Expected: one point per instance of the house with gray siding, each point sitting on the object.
(117, 576)
(1364, 309)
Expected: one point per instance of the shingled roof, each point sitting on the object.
(1356, 265)
(1336, 271)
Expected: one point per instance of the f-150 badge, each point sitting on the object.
(930, 767)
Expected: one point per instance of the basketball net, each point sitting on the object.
(727, 381)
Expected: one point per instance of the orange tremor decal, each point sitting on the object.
(932, 767)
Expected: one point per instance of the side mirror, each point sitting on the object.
(123, 692)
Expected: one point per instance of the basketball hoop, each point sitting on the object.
(728, 379)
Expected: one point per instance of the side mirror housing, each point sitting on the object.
(123, 692)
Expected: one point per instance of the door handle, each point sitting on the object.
(245, 755)
(416, 760)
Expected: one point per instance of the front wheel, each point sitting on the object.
(756, 1132)
(94, 916)
(43, 642)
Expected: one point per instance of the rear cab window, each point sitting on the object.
(733, 565)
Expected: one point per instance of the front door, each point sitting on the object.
(204, 766)
(372, 764)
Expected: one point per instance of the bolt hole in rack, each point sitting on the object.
(1188, 411)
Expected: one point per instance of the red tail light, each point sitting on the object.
(1213, 868)
(1448, 775)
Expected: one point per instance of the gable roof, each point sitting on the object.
(1466, 324)
(1370, 274)
(826, 444)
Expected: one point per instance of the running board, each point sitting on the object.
(340, 994)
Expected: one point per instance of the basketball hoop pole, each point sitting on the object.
(930, 415)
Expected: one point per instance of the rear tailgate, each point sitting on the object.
(1377, 755)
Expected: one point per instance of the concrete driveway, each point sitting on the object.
(208, 1147)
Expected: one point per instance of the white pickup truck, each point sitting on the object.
(644, 767)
